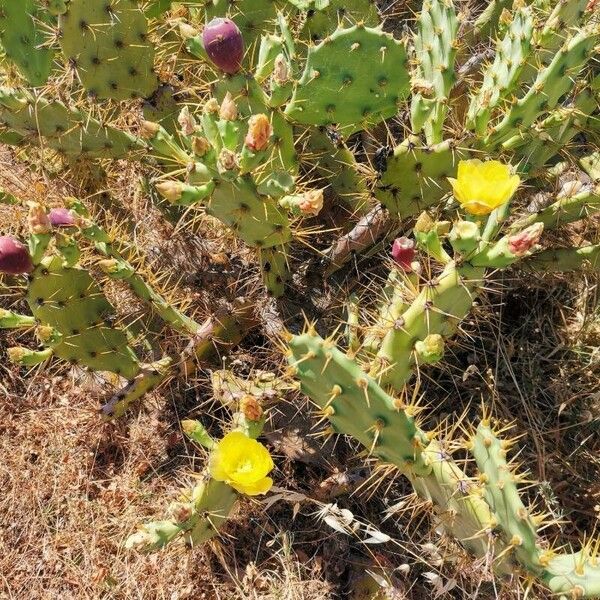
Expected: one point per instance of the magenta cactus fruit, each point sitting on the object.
(61, 217)
(403, 253)
(224, 44)
(14, 256)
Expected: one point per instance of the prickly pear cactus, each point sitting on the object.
(355, 78)
(416, 176)
(70, 302)
(107, 43)
(24, 40)
(69, 131)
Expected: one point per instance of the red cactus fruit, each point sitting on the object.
(403, 253)
(61, 217)
(224, 45)
(14, 256)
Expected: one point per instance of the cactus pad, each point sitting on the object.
(354, 78)
(66, 130)
(257, 221)
(22, 37)
(68, 300)
(415, 177)
(107, 42)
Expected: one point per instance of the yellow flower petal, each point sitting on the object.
(254, 489)
(241, 462)
(480, 187)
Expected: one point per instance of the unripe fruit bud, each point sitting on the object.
(38, 220)
(14, 257)
(224, 45)
(521, 243)
(62, 217)
(403, 253)
(259, 133)
(228, 110)
(431, 349)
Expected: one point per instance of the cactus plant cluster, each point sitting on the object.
(295, 122)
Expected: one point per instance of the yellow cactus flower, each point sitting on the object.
(242, 463)
(483, 186)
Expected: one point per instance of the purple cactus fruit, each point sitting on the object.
(403, 253)
(61, 217)
(14, 256)
(224, 45)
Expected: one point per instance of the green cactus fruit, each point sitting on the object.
(68, 300)
(355, 78)
(416, 176)
(66, 130)
(256, 219)
(22, 35)
(199, 515)
(107, 43)
(12, 320)
(435, 53)
(501, 77)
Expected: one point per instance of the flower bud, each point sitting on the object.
(311, 203)
(228, 110)
(186, 121)
(281, 70)
(212, 107)
(38, 220)
(200, 145)
(171, 190)
(431, 349)
(62, 217)
(227, 160)
(521, 243)
(149, 129)
(259, 133)
(251, 408)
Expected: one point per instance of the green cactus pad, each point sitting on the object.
(69, 300)
(256, 219)
(275, 270)
(503, 497)
(435, 52)
(69, 131)
(354, 403)
(22, 36)
(107, 42)
(501, 76)
(415, 177)
(318, 24)
(355, 78)
(551, 84)
(438, 309)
